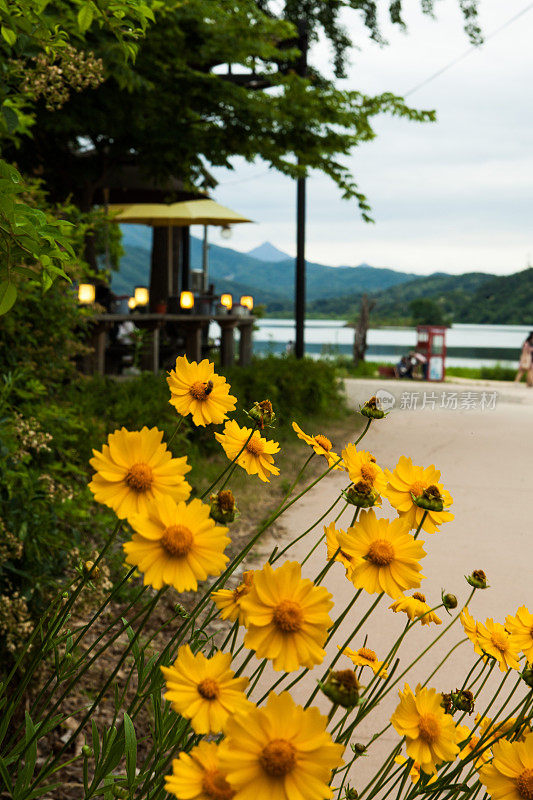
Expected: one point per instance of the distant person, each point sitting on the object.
(525, 365)
(289, 348)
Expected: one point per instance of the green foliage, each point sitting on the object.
(425, 311)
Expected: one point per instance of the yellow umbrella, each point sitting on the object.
(189, 212)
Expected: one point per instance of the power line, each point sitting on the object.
(467, 52)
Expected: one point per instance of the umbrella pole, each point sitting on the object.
(170, 261)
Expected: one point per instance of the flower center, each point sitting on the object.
(278, 758)
(417, 488)
(499, 640)
(369, 472)
(380, 553)
(208, 689)
(201, 391)
(347, 679)
(419, 596)
(524, 784)
(323, 441)
(428, 728)
(255, 446)
(177, 540)
(365, 652)
(288, 616)
(140, 477)
(215, 785)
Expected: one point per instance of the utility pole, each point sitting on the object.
(299, 289)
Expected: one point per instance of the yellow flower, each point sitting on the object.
(134, 468)
(205, 690)
(228, 601)
(384, 555)
(196, 389)
(361, 466)
(430, 734)
(332, 545)
(510, 775)
(469, 748)
(320, 444)
(491, 731)
(470, 627)
(197, 776)
(279, 752)
(521, 629)
(257, 456)
(414, 772)
(408, 479)
(364, 657)
(416, 608)
(287, 617)
(177, 544)
(494, 640)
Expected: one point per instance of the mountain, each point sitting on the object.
(267, 252)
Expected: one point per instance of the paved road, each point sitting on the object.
(481, 438)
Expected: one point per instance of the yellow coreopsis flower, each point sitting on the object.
(365, 657)
(430, 733)
(279, 752)
(286, 617)
(490, 731)
(521, 629)
(205, 690)
(177, 544)
(384, 555)
(361, 466)
(135, 468)
(228, 601)
(332, 545)
(257, 456)
(470, 746)
(510, 775)
(407, 480)
(470, 627)
(416, 607)
(494, 640)
(414, 771)
(320, 444)
(196, 775)
(196, 389)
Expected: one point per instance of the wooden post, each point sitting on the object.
(100, 343)
(155, 349)
(245, 344)
(227, 343)
(193, 340)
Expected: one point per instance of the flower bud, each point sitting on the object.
(262, 413)
(64, 595)
(430, 499)
(87, 751)
(181, 611)
(527, 675)
(120, 791)
(463, 700)
(361, 494)
(371, 409)
(352, 794)
(92, 575)
(223, 506)
(449, 600)
(477, 579)
(358, 748)
(341, 687)
(446, 703)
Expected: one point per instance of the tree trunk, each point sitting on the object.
(361, 329)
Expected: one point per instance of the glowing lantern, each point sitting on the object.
(247, 301)
(226, 300)
(86, 293)
(186, 300)
(131, 303)
(142, 296)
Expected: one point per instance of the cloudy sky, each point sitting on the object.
(453, 196)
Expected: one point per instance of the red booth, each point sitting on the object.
(431, 343)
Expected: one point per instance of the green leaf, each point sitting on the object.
(8, 295)
(5, 776)
(85, 17)
(9, 35)
(131, 748)
(11, 118)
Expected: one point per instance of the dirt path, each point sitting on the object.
(480, 437)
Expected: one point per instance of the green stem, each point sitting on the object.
(231, 466)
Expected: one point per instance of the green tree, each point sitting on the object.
(425, 311)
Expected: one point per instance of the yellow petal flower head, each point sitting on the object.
(361, 466)
(197, 775)
(416, 607)
(414, 771)
(470, 627)
(384, 555)
(510, 775)
(228, 601)
(490, 731)
(135, 468)
(494, 640)
(177, 544)
(521, 629)
(407, 480)
(430, 734)
(469, 747)
(332, 545)
(279, 752)
(205, 690)
(287, 617)
(257, 456)
(365, 657)
(320, 444)
(196, 389)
